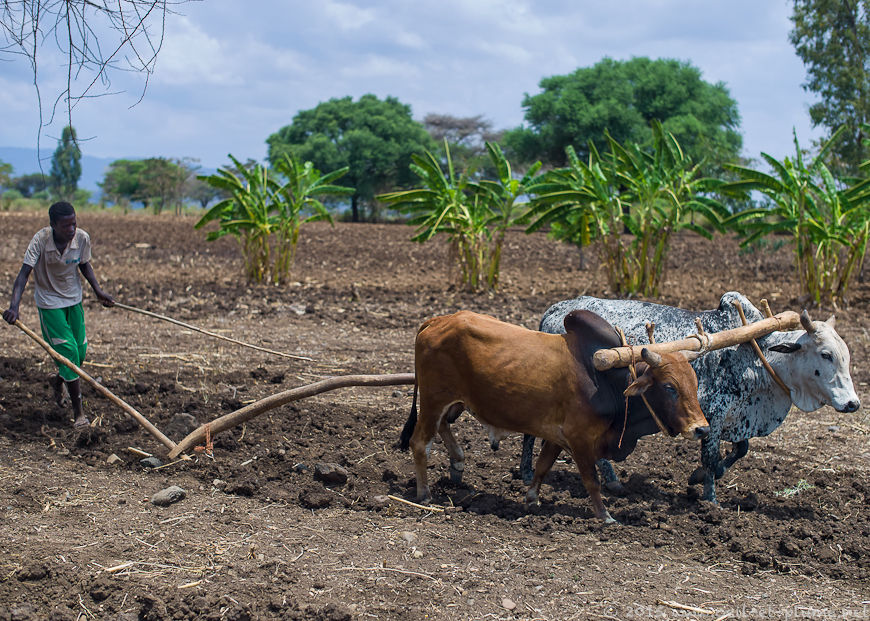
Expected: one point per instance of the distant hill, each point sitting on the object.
(25, 161)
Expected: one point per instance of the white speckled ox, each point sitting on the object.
(738, 396)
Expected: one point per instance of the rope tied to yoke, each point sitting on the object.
(633, 370)
(773, 374)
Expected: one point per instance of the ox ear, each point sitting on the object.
(831, 321)
(639, 386)
(786, 348)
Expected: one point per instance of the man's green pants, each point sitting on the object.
(64, 330)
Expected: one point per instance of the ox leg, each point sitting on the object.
(526, 470)
(590, 482)
(710, 463)
(427, 424)
(549, 453)
(611, 481)
(457, 456)
(738, 451)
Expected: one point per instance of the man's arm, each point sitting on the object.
(11, 314)
(88, 272)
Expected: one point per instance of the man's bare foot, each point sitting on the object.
(57, 386)
(81, 422)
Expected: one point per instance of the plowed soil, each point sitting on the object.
(260, 536)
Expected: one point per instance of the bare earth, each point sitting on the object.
(259, 537)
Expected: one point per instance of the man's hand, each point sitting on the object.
(105, 299)
(10, 315)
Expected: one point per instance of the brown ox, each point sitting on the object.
(518, 380)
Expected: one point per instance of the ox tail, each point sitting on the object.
(408, 429)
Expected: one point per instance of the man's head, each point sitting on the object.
(62, 217)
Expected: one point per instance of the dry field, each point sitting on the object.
(259, 537)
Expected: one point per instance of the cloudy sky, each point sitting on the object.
(230, 73)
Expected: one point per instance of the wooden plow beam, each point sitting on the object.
(614, 357)
(146, 424)
(270, 403)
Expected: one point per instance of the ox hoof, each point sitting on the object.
(609, 519)
(494, 445)
(614, 487)
(456, 475)
(697, 476)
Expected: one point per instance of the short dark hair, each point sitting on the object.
(60, 209)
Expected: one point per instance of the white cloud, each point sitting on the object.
(410, 40)
(347, 16)
(190, 57)
(377, 66)
(506, 52)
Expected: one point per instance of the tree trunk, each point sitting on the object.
(354, 208)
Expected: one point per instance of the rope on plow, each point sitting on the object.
(208, 333)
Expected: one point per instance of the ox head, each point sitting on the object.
(816, 369)
(670, 387)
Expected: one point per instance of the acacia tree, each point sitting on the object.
(623, 98)
(373, 138)
(832, 38)
(467, 138)
(66, 166)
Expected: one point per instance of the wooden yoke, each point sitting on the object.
(615, 357)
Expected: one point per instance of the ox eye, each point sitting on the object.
(827, 356)
(670, 389)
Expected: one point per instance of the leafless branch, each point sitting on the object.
(95, 37)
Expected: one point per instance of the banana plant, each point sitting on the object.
(297, 202)
(828, 220)
(266, 214)
(245, 214)
(501, 195)
(648, 194)
(468, 213)
(664, 191)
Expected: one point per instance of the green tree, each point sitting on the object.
(29, 184)
(163, 180)
(373, 138)
(832, 38)
(622, 98)
(5, 174)
(66, 166)
(123, 182)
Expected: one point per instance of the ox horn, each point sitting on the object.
(650, 357)
(806, 322)
(691, 355)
